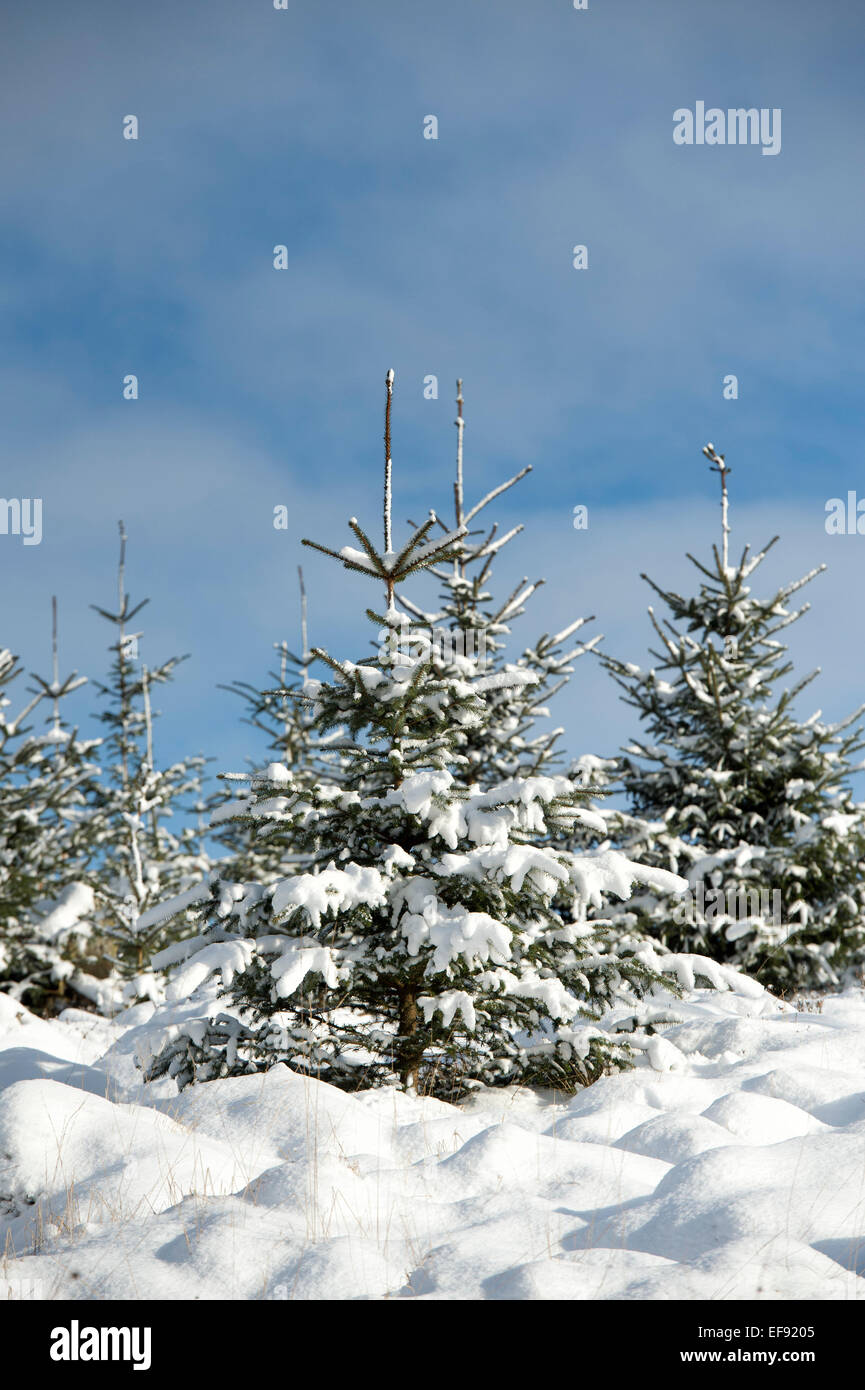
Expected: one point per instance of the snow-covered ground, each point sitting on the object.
(736, 1171)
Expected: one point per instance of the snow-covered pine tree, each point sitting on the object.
(469, 632)
(424, 946)
(142, 860)
(256, 851)
(48, 791)
(731, 789)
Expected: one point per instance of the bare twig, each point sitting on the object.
(387, 464)
(460, 424)
(719, 466)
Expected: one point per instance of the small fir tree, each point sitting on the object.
(731, 789)
(470, 631)
(259, 851)
(438, 938)
(142, 860)
(48, 792)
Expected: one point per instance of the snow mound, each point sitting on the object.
(728, 1164)
(69, 1157)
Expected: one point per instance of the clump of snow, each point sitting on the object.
(727, 1164)
(74, 903)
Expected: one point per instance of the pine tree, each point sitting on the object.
(470, 631)
(425, 945)
(48, 792)
(142, 860)
(732, 790)
(257, 851)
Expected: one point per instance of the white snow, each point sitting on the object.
(358, 558)
(730, 1163)
(330, 892)
(73, 904)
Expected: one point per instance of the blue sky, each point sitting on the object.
(257, 387)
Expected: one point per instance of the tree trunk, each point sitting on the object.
(408, 1026)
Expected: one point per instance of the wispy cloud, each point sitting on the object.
(260, 387)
